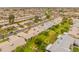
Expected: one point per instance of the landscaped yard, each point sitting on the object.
(75, 49)
(4, 32)
(3, 40)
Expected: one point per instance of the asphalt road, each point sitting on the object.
(18, 31)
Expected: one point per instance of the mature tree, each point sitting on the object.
(48, 13)
(36, 19)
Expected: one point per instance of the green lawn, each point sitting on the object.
(75, 49)
(39, 42)
(3, 40)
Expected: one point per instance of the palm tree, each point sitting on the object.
(11, 19)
